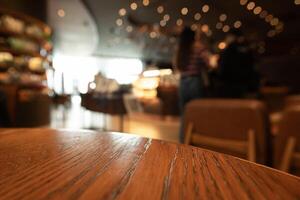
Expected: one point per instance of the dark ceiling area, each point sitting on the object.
(137, 25)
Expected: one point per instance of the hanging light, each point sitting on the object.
(179, 22)
(197, 16)
(205, 8)
(263, 14)
(166, 17)
(251, 5)
(146, 2)
(122, 12)
(237, 24)
(119, 22)
(61, 13)
(243, 2)
(219, 25)
(226, 28)
(184, 11)
(223, 17)
(257, 10)
(160, 9)
(133, 6)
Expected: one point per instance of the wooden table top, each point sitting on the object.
(53, 164)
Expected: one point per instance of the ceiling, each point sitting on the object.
(132, 39)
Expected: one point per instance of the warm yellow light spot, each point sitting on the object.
(133, 6)
(237, 24)
(153, 34)
(269, 18)
(222, 45)
(166, 17)
(219, 25)
(226, 28)
(223, 17)
(197, 16)
(274, 21)
(160, 9)
(243, 2)
(184, 11)
(119, 22)
(179, 22)
(194, 27)
(146, 2)
(205, 28)
(257, 10)
(297, 2)
(263, 14)
(163, 23)
(251, 5)
(122, 12)
(61, 13)
(205, 8)
(271, 33)
(129, 29)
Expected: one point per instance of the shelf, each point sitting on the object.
(21, 52)
(8, 33)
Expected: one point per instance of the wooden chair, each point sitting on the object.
(236, 127)
(287, 142)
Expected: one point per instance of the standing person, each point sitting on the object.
(237, 73)
(191, 63)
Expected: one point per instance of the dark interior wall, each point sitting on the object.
(34, 8)
(282, 70)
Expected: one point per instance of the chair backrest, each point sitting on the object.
(230, 120)
(287, 141)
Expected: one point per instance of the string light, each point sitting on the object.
(222, 45)
(129, 29)
(226, 28)
(197, 16)
(205, 8)
(162, 23)
(160, 9)
(263, 14)
(133, 6)
(179, 22)
(61, 13)
(237, 24)
(274, 21)
(205, 28)
(153, 34)
(119, 22)
(166, 17)
(223, 17)
(194, 27)
(146, 2)
(122, 12)
(257, 10)
(271, 33)
(184, 11)
(219, 25)
(243, 2)
(250, 5)
(269, 18)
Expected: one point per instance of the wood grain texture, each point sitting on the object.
(52, 164)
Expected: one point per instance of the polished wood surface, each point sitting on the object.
(52, 164)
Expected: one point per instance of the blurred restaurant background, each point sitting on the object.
(111, 66)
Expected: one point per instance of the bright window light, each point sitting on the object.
(124, 71)
(79, 71)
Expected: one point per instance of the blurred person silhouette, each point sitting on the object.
(236, 67)
(191, 61)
